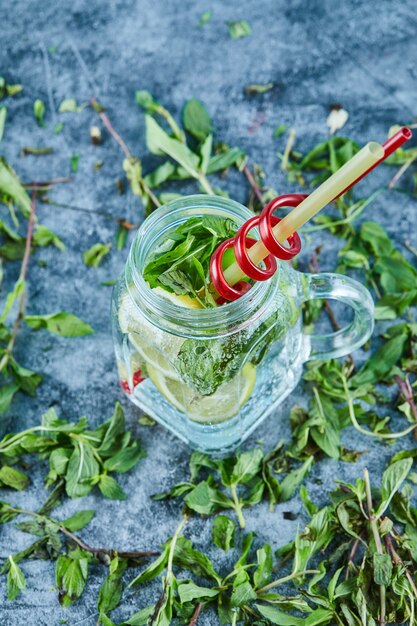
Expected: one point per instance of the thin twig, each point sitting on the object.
(106, 551)
(352, 555)
(71, 207)
(40, 185)
(378, 543)
(253, 184)
(22, 279)
(195, 614)
(113, 132)
(401, 171)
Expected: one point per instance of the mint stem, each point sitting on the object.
(378, 543)
(237, 506)
(285, 579)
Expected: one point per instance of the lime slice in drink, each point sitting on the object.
(223, 404)
(155, 346)
(131, 318)
(185, 301)
(154, 358)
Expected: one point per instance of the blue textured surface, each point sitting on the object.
(315, 53)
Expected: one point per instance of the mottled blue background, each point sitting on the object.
(361, 54)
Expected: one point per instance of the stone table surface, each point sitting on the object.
(361, 54)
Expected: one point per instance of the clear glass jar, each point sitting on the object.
(213, 375)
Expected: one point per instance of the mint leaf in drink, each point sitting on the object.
(181, 264)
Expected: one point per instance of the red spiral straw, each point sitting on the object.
(241, 243)
(391, 145)
(266, 221)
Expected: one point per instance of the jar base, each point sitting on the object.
(213, 438)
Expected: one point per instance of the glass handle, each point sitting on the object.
(355, 334)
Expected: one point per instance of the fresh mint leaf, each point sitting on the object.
(15, 580)
(63, 324)
(382, 569)
(110, 488)
(111, 589)
(39, 112)
(205, 18)
(123, 460)
(94, 256)
(68, 105)
(263, 572)
(71, 575)
(202, 499)
(196, 120)
(13, 478)
(239, 29)
(78, 520)
(43, 236)
(159, 142)
(189, 591)
(223, 532)
(82, 470)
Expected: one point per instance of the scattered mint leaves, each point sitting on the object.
(74, 160)
(79, 458)
(39, 112)
(235, 483)
(9, 89)
(239, 29)
(205, 18)
(94, 256)
(254, 88)
(68, 105)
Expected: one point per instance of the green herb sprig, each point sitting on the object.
(237, 482)
(79, 458)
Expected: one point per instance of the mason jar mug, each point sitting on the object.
(212, 375)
